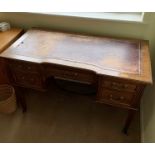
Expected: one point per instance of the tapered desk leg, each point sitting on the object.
(21, 98)
(128, 121)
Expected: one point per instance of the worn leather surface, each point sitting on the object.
(104, 53)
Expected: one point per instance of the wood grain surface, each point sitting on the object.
(105, 56)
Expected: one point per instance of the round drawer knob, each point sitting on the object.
(19, 66)
(114, 84)
(125, 86)
(23, 77)
(122, 98)
(32, 79)
(64, 74)
(111, 96)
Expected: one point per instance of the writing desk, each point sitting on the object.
(119, 68)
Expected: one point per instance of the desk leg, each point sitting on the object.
(128, 121)
(21, 98)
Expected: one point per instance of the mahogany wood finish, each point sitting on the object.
(119, 68)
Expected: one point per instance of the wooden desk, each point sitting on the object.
(6, 39)
(119, 69)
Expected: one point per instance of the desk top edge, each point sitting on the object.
(146, 77)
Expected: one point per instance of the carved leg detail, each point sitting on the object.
(21, 98)
(128, 121)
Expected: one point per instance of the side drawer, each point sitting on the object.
(23, 66)
(119, 85)
(27, 79)
(115, 97)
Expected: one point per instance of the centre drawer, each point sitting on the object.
(70, 74)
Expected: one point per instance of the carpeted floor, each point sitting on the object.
(60, 116)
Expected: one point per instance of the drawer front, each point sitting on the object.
(23, 66)
(118, 85)
(115, 97)
(27, 79)
(70, 74)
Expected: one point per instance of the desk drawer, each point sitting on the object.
(23, 66)
(115, 97)
(27, 79)
(118, 85)
(71, 74)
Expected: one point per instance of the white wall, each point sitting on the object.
(28, 20)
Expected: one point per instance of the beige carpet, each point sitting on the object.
(59, 116)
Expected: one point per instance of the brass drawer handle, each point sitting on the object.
(23, 77)
(116, 98)
(111, 97)
(119, 86)
(29, 67)
(31, 79)
(19, 66)
(122, 98)
(125, 86)
(114, 84)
